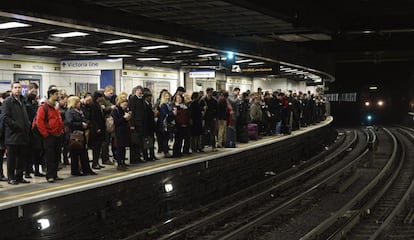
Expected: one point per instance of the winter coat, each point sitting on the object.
(73, 121)
(121, 127)
(16, 122)
(196, 117)
(96, 125)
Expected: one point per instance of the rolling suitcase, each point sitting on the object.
(230, 137)
(242, 135)
(253, 131)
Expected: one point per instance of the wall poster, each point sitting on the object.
(26, 79)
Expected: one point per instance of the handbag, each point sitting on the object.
(76, 140)
(148, 142)
(109, 124)
(168, 126)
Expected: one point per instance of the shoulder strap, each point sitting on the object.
(46, 109)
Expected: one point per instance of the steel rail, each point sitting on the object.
(317, 231)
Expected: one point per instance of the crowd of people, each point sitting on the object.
(60, 129)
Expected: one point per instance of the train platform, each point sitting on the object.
(39, 189)
(116, 204)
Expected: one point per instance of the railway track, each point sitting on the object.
(237, 215)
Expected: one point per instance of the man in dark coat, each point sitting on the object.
(17, 126)
(96, 128)
(137, 107)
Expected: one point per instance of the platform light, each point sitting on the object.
(43, 224)
(168, 187)
(70, 34)
(8, 25)
(369, 118)
(117, 41)
(373, 88)
(380, 103)
(367, 104)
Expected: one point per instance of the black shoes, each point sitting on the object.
(77, 174)
(97, 166)
(109, 162)
(22, 181)
(57, 178)
(38, 174)
(27, 175)
(12, 182)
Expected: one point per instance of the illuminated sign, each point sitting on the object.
(202, 74)
(91, 64)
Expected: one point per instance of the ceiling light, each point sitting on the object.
(70, 34)
(154, 47)
(230, 55)
(40, 47)
(208, 55)
(168, 62)
(243, 60)
(84, 52)
(2, 41)
(148, 59)
(120, 55)
(117, 41)
(183, 51)
(13, 25)
(256, 63)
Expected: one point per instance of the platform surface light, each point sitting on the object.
(43, 223)
(367, 104)
(230, 55)
(168, 187)
(380, 103)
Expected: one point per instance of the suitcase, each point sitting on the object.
(242, 135)
(253, 131)
(230, 137)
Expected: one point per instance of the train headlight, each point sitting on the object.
(380, 103)
(367, 104)
(369, 118)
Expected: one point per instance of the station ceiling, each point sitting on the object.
(313, 34)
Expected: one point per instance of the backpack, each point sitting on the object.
(35, 130)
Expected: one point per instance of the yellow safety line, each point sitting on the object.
(110, 176)
(94, 179)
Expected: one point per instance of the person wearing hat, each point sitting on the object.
(51, 131)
